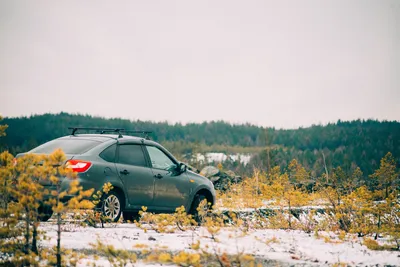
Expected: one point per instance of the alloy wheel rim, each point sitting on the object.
(112, 207)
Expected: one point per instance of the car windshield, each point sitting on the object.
(68, 146)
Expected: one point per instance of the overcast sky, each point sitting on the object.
(271, 63)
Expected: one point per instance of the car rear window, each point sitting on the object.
(108, 154)
(68, 146)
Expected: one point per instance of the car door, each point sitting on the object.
(136, 175)
(171, 190)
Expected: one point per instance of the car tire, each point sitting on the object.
(112, 206)
(44, 213)
(130, 216)
(196, 204)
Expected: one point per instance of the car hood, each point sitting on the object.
(199, 178)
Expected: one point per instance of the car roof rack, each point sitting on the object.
(145, 133)
(118, 131)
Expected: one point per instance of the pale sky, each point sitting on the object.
(271, 63)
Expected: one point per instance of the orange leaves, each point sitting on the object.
(187, 259)
(166, 223)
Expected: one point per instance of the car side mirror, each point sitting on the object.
(177, 169)
(182, 168)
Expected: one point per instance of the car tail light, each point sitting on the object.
(78, 165)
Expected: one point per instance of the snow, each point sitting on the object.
(220, 157)
(289, 247)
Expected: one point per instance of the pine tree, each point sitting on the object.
(22, 195)
(298, 175)
(387, 175)
(2, 128)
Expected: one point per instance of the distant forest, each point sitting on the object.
(348, 144)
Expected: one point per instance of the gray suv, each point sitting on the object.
(141, 171)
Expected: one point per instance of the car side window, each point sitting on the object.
(159, 160)
(131, 155)
(108, 154)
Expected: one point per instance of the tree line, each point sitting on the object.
(349, 144)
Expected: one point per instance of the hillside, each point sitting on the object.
(347, 144)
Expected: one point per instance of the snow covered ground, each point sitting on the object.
(285, 247)
(220, 157)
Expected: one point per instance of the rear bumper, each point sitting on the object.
(51, 190)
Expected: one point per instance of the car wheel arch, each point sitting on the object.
(122, 194)
(205, 192)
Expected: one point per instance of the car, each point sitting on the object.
(141, 171)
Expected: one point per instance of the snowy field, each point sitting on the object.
(279, 247)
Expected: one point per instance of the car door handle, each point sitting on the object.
(159, 176)
(124, 172)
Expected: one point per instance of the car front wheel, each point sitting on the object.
(199, 208)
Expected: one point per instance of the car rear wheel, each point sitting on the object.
(44, 213)
(112, 207)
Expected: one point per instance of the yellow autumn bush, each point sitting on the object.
(23, 196)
